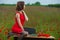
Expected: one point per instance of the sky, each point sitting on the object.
(43, 2)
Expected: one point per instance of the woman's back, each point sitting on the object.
(16, 27)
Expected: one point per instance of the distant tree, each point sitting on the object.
(37, 3)
(54, 5)
(2, 4)
(34, 4)
(28, 4)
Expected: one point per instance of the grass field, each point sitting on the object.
(45, 19)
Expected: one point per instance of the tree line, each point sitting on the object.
(54, 5)
(35, 4)
(39, 4)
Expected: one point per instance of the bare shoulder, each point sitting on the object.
(17, 15)
(24, 12)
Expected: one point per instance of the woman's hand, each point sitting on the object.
(26, 18)
(25, 32)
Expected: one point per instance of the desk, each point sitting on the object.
(29, 37)
(38, 38)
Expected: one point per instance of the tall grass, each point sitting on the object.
(43, 19)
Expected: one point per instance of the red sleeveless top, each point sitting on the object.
(16, 28)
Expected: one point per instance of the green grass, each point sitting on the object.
(43, 19)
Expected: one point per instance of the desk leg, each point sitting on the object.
(15, 38)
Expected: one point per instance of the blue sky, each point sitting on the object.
(43, 2)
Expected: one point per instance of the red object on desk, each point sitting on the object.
(44, 35)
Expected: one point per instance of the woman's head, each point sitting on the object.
(20, 5)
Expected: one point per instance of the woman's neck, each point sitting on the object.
(21, 11)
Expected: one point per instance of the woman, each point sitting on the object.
(20, 19)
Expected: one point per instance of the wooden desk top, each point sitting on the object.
(30, 36)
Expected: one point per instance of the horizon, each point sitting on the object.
(42, 2)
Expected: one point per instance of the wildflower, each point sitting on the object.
(0, 39)
(9, 38)
(2, 27)
(58, 38)
(0, 30)
(6, 32)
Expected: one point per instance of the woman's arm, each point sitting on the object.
(26, 18)
(19, 22)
